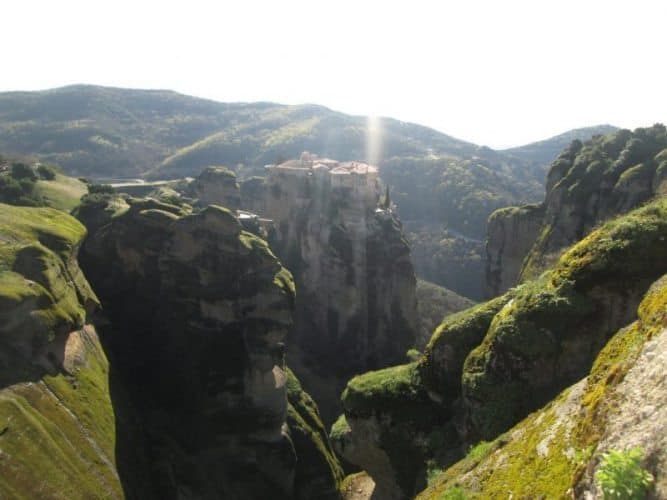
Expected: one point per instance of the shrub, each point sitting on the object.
(621, 475)
(100, 189)
(46, 172)
(23, 171)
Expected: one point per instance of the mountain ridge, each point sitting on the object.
(18, 108)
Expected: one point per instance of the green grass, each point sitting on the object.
(60, 435)
(63, 193)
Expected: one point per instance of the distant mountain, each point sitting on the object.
(544, 152)
(111, 132)
(435, 180)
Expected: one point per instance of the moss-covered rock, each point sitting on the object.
(558, 447)
(199, 310)
(488, 367)
(215, 186)
(57, 427)
(391, 428)
(442, 364)
(318, 473)
(548, 335)
(588, 184)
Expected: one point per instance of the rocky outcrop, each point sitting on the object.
(511, 233)
(199, 311)
(488, 367)
(356, 305)
(215, 186)
(587, 184)
(619, 406)
(57, 432)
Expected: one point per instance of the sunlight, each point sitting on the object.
(373, 140)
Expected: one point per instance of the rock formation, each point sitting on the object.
(198, 314)
(486, 368)
(215, 186)
(587, 184)
(57, 433)
(620, 405)
(356, 305)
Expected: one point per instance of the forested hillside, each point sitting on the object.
(444, 188)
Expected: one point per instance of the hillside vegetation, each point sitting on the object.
(437, 181)
(588, 183)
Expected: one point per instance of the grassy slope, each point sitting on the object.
(57, 433)
(63, 192)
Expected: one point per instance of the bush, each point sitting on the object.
(46, 172)
(100, 189)
(621, 475)
(23, 171)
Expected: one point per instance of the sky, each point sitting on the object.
(496, 73)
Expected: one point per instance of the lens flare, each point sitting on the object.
(373, 140)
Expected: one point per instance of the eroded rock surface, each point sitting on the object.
(618, 406)
(199, 312)
(57, 424)
(488, 367)
(356, 302)
(587, 184)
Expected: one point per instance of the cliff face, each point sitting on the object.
(356, 303)
(199, 311)
(488, 367)
(587, 184)
(57, 432)
(511, 233)
(620, 405)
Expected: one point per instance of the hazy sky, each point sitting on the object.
(499, 73)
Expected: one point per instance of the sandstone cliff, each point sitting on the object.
(198, 314)
(488, 367)
(587, 184)
(57, 424)
(356, 303)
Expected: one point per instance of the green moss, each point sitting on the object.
(559, 311)
(500, 468)
(339, 428)
(628, 249)
(554, 445)
(318, 472)
(388, 390)
(442, 363)
(283, 279)
(63, 192)
(60, 435)
(616, 358)
(479, 451)
(48, 226)
(42, 289)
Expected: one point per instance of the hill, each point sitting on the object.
(544, 152)
(445, 188)
(111, 132)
